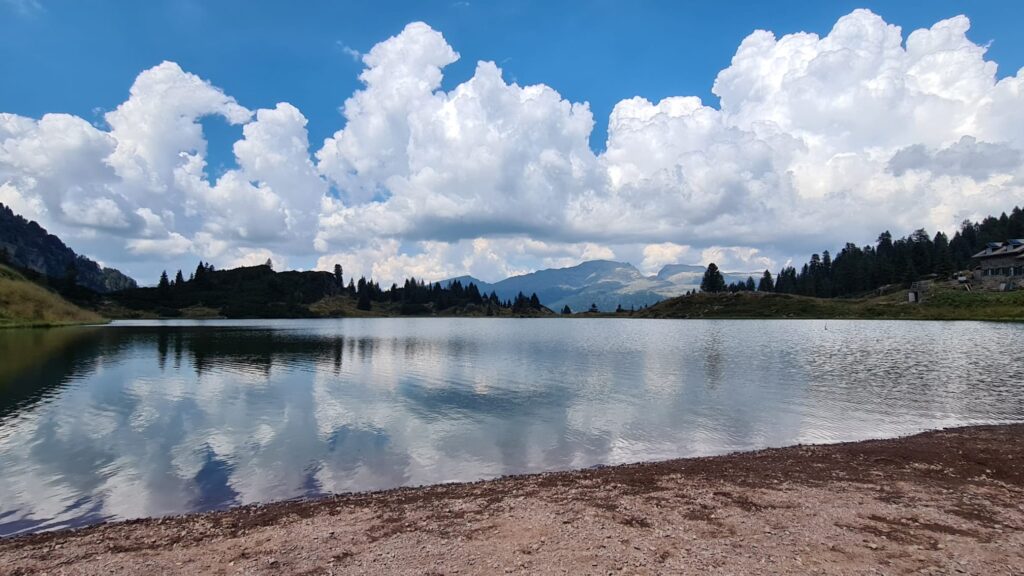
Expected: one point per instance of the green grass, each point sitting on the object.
(942, 302)
(26, 304)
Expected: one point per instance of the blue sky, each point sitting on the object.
(81, 57)
(481, 174)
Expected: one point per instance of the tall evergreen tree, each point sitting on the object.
(766, 284)
(941, 256)
(713, 280)
(363, 290)
(164, 283)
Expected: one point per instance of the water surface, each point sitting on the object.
(141, 419)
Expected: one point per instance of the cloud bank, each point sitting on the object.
(815, 141)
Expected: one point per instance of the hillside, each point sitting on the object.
(24, 303)
(26, 244)
(943, 302)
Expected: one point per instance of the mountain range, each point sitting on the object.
(29, 246)
(604, 283)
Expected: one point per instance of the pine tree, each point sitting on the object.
(473, 294)
(566, 310)
(593, 308)
(766, 284)
(337, 275)
(363, 290)
(200, 273)
(164, 283)
(179, 280)
(941, 257)
(713, 281)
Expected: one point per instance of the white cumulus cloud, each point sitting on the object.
(816, 140)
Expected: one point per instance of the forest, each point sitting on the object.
(859, 270)
(260, 292)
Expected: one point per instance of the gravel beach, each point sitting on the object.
(943, 502)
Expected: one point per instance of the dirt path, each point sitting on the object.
(943, 502)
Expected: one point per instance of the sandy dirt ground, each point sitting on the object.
(946, 502)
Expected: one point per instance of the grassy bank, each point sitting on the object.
(26, 304)
(942, 302)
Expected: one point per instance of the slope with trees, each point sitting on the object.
(26, 245)
(859, 270)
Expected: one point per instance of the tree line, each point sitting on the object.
(857, 270)
(413, 297)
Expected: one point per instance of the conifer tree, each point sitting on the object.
(713, 280)
(766, 284)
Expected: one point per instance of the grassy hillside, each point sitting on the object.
(941, 303)
(24, 303)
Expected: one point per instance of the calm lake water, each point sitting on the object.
(144, 419)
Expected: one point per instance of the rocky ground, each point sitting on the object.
(946, 502)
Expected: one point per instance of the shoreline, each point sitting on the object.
(936, 502)
(33, 325)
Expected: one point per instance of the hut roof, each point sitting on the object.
(1013, 247)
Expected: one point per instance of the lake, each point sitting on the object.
(153, 418)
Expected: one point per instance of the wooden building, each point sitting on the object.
(1001, 265)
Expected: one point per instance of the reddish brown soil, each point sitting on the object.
(945, 502)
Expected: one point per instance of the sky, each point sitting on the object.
(436, 139)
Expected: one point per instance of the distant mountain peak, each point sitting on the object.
(669, 270)
(606, 283)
